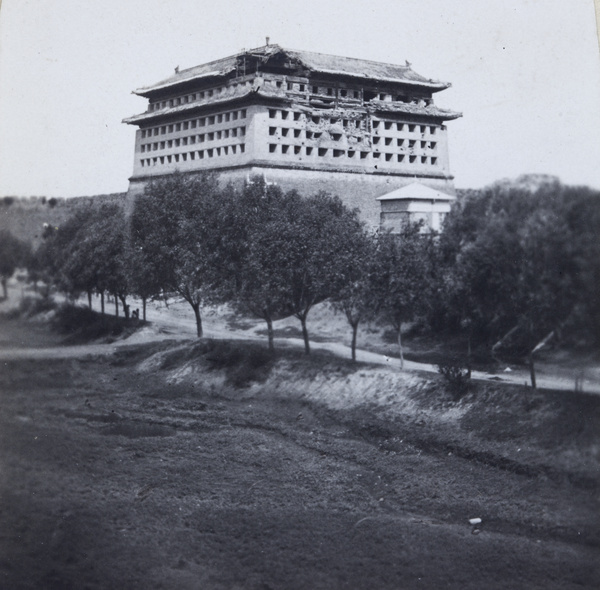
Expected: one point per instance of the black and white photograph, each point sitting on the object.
(299, 295)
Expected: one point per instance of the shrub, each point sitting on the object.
(243, 362)
(81, 324)
(30, 306)
(457, 378)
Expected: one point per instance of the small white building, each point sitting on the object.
(415, 202)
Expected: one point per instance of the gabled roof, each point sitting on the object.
(315, 62)
(416, 192)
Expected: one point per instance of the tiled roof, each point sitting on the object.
(362, 68)
(316, 62)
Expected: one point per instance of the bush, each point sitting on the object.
(244, 363)
(81, 324)
(457, 378)
(31, 306)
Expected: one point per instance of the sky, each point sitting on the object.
(524, 73)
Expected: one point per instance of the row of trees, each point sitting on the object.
(267, 253)
(517, 263)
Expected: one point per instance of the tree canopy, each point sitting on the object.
(13, 253)
(173, 231)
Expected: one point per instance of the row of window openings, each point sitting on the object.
(412, 128)
(180, 100)
(370, 95)
(202, 122)
(346, 93)
(323, 152)
(343, 93)
(200, 155)
(337, 136)
(192, 139)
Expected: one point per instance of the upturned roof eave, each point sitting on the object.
(402, 108)
(437, 86)
(147, 92)
(226, 66)
(190, 107)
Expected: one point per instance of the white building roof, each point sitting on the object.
(416, 191)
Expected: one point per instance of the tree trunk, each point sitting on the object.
(144, 308)
(399, 339)
(305, 333)
(123, 299)
(532, 371)
(89, 294)
(116, 306)
(102, 301)
(354, 332)
(270, 332)
(196, 308)
(4, 288)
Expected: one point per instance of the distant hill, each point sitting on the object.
(25, 217)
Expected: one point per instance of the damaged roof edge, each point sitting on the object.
(146, 91)
(427, 112)
(315, 62)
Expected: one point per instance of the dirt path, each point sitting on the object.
(180, 330)
(175, 321)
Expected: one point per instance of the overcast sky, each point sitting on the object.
(525, 74)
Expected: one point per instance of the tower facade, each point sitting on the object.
(356, 128)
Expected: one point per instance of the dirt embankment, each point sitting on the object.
(210, 465)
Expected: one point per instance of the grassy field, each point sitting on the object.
(212, 465)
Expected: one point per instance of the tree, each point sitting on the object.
(313, 242)
(13, 253)
(173, 231)
(107, 253)
(91, 248)
(44, 263)
(279, 253)
(354, 296)
(400, 281)
(521, 260)
(252, 270)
